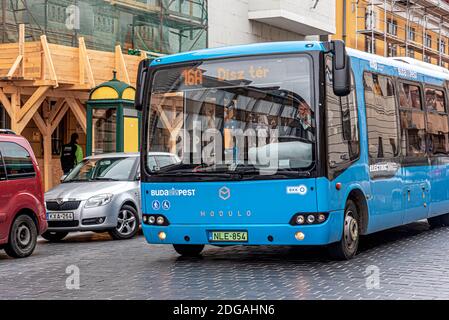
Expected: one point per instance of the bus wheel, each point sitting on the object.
(187, 250)
(435, 222)
(346, 248)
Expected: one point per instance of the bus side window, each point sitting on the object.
(342, 124)
(437, 122)
(381, 116)
(413, 124)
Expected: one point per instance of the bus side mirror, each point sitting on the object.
(141, 84)
(341, 72)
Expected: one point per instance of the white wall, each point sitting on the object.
(308, 17)
(229, 25)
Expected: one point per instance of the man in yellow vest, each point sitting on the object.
(71, 154)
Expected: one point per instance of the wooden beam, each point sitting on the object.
(49, 59)
(40, 123)
(37, 98)
(27, 83)
(77, 87)
(81, 63)
(22, 49)
(120, 65)
(15, 107)
(80, 113)
(86, 62)
(21, 124)
(52, 93)
(6, 103)
(53, 113)
(48, 167)
(15, 66)
(54, 124)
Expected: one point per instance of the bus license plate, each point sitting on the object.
(228, 236)
(60, 216)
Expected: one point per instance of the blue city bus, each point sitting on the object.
(290, 143)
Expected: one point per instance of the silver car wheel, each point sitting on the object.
(23, 236)
(126, 222)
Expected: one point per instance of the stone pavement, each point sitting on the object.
(408, 262)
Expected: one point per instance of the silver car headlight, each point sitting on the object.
(97, 201)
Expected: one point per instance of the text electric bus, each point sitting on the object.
(291, 143)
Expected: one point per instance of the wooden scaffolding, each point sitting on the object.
(41, 81)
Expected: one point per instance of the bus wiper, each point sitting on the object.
(194, 174)
(243, 170)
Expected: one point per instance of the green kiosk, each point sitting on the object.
(113, 125)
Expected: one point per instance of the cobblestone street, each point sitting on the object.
(412, 260)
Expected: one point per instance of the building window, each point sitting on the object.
(104, 123)
(381, 115)
(56, 13)
(442, 46)
(410, 53)
(428, 42)
(412, 34)
(370, 44)
(427, 58)
(392, 27)
(104, 23)
(370, 19)
(392, 50)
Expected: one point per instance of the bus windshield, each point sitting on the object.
(247, 115)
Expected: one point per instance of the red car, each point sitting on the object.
(22, 209)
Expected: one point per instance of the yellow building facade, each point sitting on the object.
(417, 29)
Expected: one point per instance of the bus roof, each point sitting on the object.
(242, 50)
(425, 69)
(297, 46)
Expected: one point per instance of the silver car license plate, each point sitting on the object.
(60, 216)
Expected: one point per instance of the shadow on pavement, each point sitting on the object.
(317, 254)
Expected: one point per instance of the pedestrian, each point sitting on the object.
(71, 154)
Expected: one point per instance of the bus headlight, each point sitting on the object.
(160, 220)
(305, 219)
(300, 219)
(321, 217)
(310, 219)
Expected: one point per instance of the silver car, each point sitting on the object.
(102, 193)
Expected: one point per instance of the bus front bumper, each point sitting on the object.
(258, 234)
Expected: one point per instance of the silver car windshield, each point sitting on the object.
(107, 169)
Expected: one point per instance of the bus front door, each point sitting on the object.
(416, 193)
